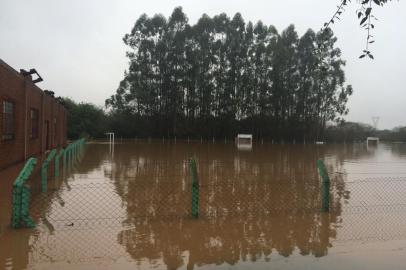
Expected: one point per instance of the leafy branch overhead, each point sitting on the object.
(365, 16)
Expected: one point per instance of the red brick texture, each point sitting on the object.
(25, 95)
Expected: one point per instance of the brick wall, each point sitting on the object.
(25, 95)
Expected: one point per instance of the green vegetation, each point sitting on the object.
(84, 120)
(397, 134)
(358, 132)
(223, 76)
(349, 132)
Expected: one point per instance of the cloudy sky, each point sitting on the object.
(77, 46)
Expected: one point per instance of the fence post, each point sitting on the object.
(57, 158)
(44, 176)
(72, 154)
(195, 188)
(44, 170)
(20, 215)
(64, 157)
(16, 206)
(325, 186)
(56, 166)
(25, 207)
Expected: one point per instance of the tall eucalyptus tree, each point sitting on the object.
(221, 76)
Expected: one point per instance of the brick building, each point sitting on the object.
(31, 120)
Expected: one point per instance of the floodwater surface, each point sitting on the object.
(130, 206)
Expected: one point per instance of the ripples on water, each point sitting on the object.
(256, 207)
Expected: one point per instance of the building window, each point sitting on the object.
(34, 124)
(8, 120)
(55, 130)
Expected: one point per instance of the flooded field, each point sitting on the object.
(130, 207)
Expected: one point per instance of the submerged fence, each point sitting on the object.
(112, 212)
(122, 200)
(23, 188)
(21, 197)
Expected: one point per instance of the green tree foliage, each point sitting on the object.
(349, 132)
(84, 120)
(358, 132)
(397, 134)
(223, 76)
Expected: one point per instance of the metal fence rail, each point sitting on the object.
(27, 189)
(355, 208)
(21, 197)
(123, 201)
(254, 236)
(119, 216)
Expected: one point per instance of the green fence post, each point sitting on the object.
(25, 208)
(44, 170)
(195, 188)
(70, 156)
(21, 197)
(325, 186)
(44, 174)
(72, 149)
(56, 166)
(64, 157)
(57, 158)
(82, 147)
(16, 207)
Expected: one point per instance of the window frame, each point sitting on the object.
(34, 131)
(5, 122)
(55, 129)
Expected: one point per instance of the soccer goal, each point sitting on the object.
(244, 140)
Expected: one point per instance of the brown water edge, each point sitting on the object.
(259, 209)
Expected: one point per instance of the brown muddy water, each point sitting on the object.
(260, 209)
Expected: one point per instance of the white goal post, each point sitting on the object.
(244, 139)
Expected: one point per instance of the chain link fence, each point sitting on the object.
(96, 201)
(147, 217)
(32, 183)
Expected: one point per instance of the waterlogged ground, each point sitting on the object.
(130, 208)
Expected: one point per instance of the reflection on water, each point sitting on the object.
(133, 208)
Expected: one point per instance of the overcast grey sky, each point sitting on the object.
(77, 46)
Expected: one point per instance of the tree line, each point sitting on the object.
(223, 76)
(88, 120)
(220, 77)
